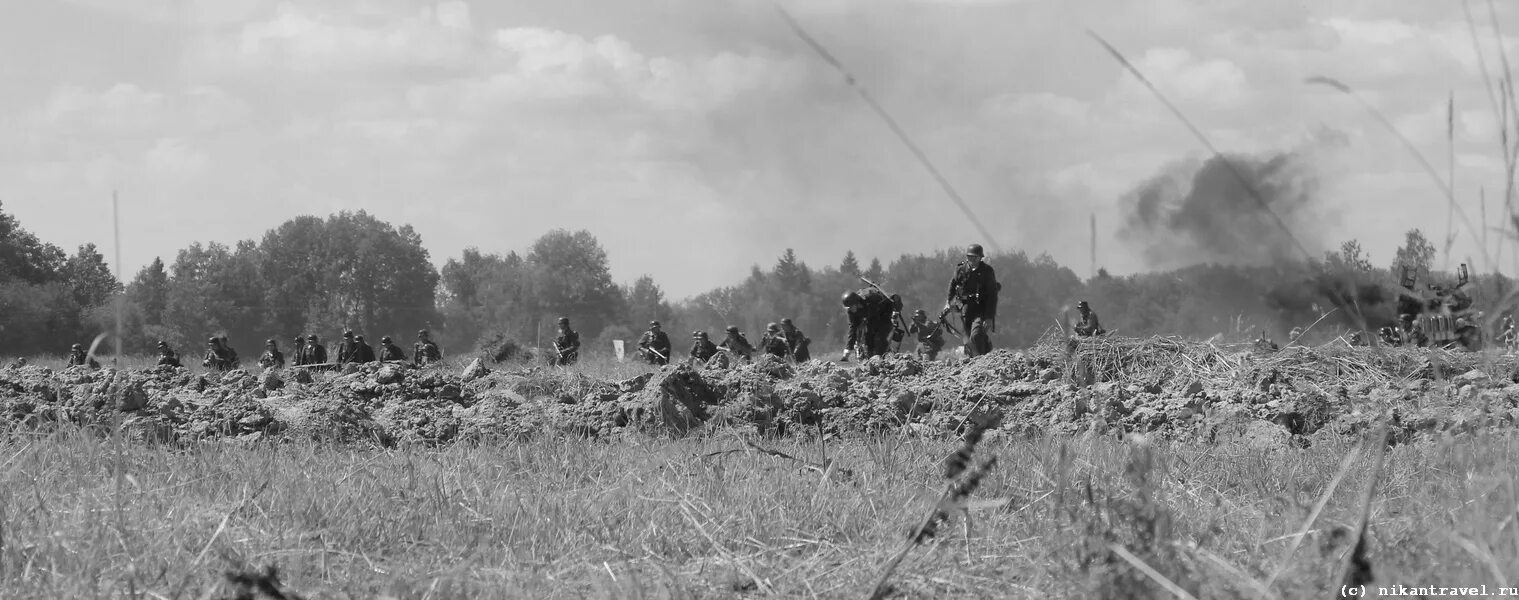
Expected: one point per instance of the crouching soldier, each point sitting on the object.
(272, 358)
(390, 352)
(79, 358)
(167, 356)
(774, 342)
(796, 341)
(425, 352)
(219, 356)
(930, 335)
(702, 349)
(567, 344)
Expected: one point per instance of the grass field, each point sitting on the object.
(81, 516)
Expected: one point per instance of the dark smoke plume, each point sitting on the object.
(1196, 213)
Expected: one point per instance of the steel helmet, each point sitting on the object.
(974, 250)
(385, 340)
(732, 329)
(852, 298)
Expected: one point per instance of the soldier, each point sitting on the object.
(390, 352)
(655, 345)
(219, 356)
(1089, 325)
(346, 347)
(425, 352)
(79, 358)
(796, 342)
(736, 345)
(872, 317)
(702, 349)
(567, 344)
(167, 356)
(298, 351)
(1413, 333)
(1508, 334)
(975, 287)
(774, 342)
(362, 351)
(272, 358)
(1357, 338)
(316, 353)
(1389, 336)
(930, 335)
(1264, 344)
(1292, 336)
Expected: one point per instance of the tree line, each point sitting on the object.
(352, 271)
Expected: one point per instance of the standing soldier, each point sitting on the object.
(79, 358)
(362, 351)
(346, 348)
(702, 349)
(389, 352)
(774, 342)
(975, 287)
(567, 344)
(930, 335)
(298, 351)
(167, 356)
(872, 317)
(1089, 325)
(736, 345)
(425, 352)
(316, 353)
(655, 345)
(272, 358)
(218, 356)
(796, 341)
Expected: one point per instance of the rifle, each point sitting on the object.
(943, 321)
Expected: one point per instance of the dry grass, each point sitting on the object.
(640, 518)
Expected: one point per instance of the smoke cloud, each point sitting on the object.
(1200, 212)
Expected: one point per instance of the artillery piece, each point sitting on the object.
(1443, 320)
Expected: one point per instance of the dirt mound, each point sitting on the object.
(1160, 386)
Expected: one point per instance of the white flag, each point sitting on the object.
(617, 345)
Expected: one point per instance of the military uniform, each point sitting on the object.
(425, 352)
(655, 345)
(272, 358)
(702, 349)
(796, 342)
(316, 354)
(219, 356)
(737, 345)
(870, 323)
(346, 348)
(79, 358)
(1089, 326)
(567, 345)
(167, 356)
(774, 342)
(930, 336)
(976, 289)
(362, 351)
(298, 351)
(390, 352)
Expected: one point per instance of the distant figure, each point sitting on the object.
(316, 353)
(702, 349)
(567, 344)
(424, 352)
(655, 345)
(1292, 336)
(219, 356)
(1089, 325)
(1264, 344)
(872, 317)
(796, 341)
(1357, 338)
(167, 356)
(975, 287)
(272, 358)
(930, 335)
(774, 342)
(298, 351)
(1509, 336)
(390, 352)
(79, 358)
(362, 351)
(736, 345)
(346, 348)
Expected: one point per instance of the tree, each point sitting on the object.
(23, 257)
(149, 290)
(875, 271)
(89, 278)
(793, 274)
(850, 266)
(1354, 257)
(647, 301)
(571, 278)
(1417, 253)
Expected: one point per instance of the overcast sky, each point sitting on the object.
(697, 137)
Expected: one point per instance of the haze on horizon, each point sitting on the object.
(694, 138)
